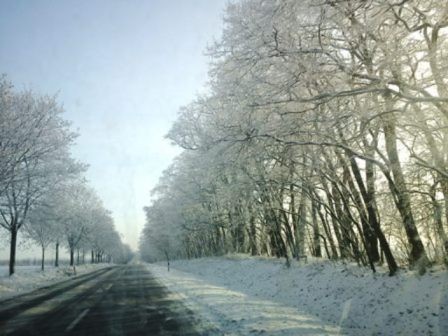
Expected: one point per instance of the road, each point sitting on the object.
(120, 300)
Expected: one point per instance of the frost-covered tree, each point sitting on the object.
(35, 140)
(41, 226)
(323, 132)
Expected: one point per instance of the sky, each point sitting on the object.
(121, 69)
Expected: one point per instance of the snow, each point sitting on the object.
(241, 295)
(28, 278)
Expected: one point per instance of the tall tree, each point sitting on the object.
(37, 142)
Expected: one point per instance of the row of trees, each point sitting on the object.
(42, 189)
(324, 132)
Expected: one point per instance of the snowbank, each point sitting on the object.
(243, 295)
(27, 278)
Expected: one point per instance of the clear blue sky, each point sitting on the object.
(121, 69)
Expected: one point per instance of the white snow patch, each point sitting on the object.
(243, 295)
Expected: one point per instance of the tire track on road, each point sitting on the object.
(52, 309)
(12, 306)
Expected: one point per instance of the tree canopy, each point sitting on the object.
(323, 132)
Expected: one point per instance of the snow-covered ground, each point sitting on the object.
(242, 295)
(27, 278)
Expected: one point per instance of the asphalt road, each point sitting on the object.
(121, 300)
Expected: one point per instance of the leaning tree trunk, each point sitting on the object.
(253, 233)
(316, 231)
(369, 195)
(403, 200)
(440, 162)
(341, 224)
(442, 240)
(368, 236)
(364, 207)
(384, 244)
(300, 229)
(371, 229)
(374, 221)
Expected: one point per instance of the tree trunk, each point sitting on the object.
(72, 256)
(373, 218)
(316, 232)
(365, 208)
(290, 244)
(56, 259)
(371, 221)
(334, 252)
(403, 200)
(92, 255)
(301, 222)
(331, 210)
(341, 224)
(442, 239)
(442, 231)
(167, 260)
(43, 259)
(368, 237)
(253, 234)
(12, 252)
(439, 159)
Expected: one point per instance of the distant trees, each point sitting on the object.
(35, 171)
(324, 132)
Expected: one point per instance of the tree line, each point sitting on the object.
(43, 192)
(323, 131)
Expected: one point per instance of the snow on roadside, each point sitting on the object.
(28, 278)
(232, 312)
(245, 295)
